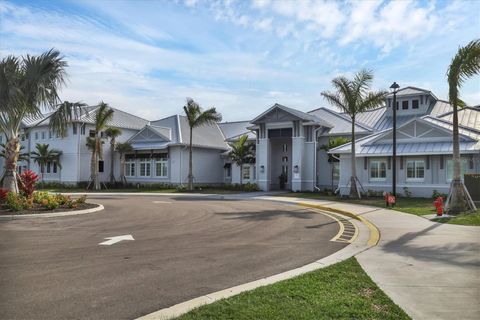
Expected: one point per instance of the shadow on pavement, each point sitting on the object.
(267, 215)
(458, 254)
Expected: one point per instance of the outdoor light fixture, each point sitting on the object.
(262, 169)
(295, 169)
(394, 87)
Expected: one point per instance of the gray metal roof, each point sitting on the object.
(467, 117)
(411, 91)
(234, 130)
(367, 147)
(121, 119)
(341, 123)
(208, 136)
(371, 117)
(440, 107)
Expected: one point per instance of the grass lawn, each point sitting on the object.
(463, 219)
(147, 190)
(417, 206)
(340, 291)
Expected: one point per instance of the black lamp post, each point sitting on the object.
(394, 88)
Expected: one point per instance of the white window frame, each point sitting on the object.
(463, 168)
(378, 163)
(246, 169)
(228, 172)
(415, 164)
(163, 162)
(148, 164)
(128, 168)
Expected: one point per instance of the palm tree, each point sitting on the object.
(103, 115)
(123, 148)
(353, 97)
(242, 152)
(22, 156)
(196, 118)
(29, 85)
(464, 65)
(332, 159)
(43, 155)
(112, 133)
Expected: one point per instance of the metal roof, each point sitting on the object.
(467, 117)
(411, 91)
(234, 130)
(341, 123)
(371, 117)
(440, 107)
(297, 113)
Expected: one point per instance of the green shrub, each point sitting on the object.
(62, 199)
(181, 188)
(50, 203)
(15, 202)
(81, 200)
(406, 192)
(436, 194)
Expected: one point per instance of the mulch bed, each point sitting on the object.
(37, 209)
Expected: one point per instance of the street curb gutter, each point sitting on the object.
(374, 232)
(343, 254)
(9, 217)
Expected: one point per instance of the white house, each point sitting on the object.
(288, 142)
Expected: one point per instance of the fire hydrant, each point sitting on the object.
(438, 203)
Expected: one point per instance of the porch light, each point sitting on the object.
(394, 87)
(262, 169)
(295, 169)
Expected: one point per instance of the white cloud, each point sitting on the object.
(264, 24)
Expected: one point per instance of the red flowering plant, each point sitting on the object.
(3, 194)
(27, 184)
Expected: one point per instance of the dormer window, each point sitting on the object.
(414, 104)
(405, 105)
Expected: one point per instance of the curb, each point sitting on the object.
(374, 231)
(9, 217)
(343, 254)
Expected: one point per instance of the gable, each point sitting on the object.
(418, 131)
(148, 133)
(277, 115)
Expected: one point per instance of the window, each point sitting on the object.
(23, 137)
(130, 168)
(285, 159)
(378, 170)
(336, 171)
(91, 133)
(397, 105)
(43, 135)
(145, 167)
(254, 173)
(463, 168)
(285, 172)
(246, 172)
(50, 134)
(405, 105)
(74, 128)
(161, 165)
(36, 135)
(100, 165)
(228, 170)
(285, 147)
(82, 129)
(415, 170)
(414, 104)
(54, 167)
(48, 167)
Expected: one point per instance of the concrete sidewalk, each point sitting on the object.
(431, 270)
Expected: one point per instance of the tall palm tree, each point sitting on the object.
(112, 133)
(22, 156)
(242, 152)
(103, 115)
(197, 118)
(123, 148)
(353, 97)
(464, 65)
(43, 154)
(29, 85)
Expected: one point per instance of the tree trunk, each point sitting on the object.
(122, 169)
(354, 192)
(96, 181)
(190, 163)
(241, 175)
(92, 170)
(458, 199)
(12, 151)
(112, 161)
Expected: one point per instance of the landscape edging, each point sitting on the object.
(99, 207)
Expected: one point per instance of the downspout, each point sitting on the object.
(315, 159)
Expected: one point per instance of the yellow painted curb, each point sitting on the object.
(374, 232)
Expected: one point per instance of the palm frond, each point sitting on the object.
(65, 113)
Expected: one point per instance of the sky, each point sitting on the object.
(240, 56)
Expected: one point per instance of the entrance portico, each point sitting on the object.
(286, 147)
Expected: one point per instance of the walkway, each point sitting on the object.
(429, 269)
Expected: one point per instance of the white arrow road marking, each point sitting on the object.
(161, 202)
(116, 239)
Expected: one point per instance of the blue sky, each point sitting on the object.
(240, 56)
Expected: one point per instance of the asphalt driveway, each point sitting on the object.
(54, 268)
